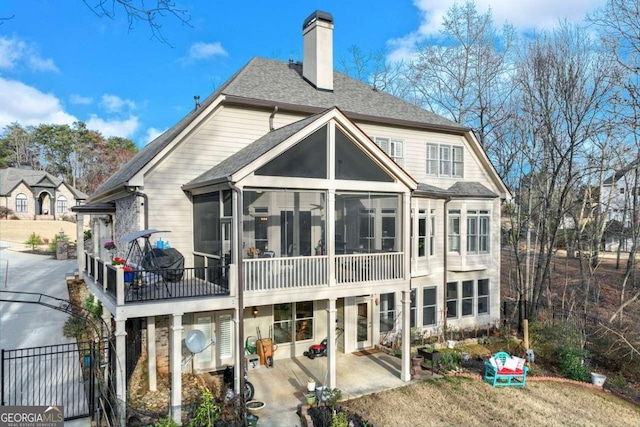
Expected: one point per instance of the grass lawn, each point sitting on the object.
(457, 401)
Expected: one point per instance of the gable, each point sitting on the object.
(324, 146)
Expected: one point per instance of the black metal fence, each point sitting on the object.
(63, 374)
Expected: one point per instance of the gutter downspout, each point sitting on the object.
(444, 262)
(240, 369)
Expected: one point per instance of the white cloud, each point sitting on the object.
(115, 104)
(29, 106)
(201, 50)
(80, 100)
(113, 127)
(525, 15)
(16, 53)
(152, 133)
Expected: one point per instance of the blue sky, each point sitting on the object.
(59, 62)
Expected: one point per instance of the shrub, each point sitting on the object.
(73, 327)
(94, 308)
(207, 412)
(571, 363)
(34, 240)
(5, 212)
(87, 235)
(53, 246)
(547, 339)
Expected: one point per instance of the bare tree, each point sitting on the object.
(464, 74)
(565, 81)
(375, 69)
(140, 11)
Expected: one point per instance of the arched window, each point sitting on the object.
(21, 203)
(62, 204)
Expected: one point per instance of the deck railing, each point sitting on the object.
(142, 285)
(373, 267)
(260, 274)
(284, 273)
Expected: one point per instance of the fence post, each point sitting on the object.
(2, 380)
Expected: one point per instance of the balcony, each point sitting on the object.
(139, 286)
(266, 274)
(260, 275)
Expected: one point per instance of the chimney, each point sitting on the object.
(317, 60)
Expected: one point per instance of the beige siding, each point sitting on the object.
(222, 134)
(415, 154)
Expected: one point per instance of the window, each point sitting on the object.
(467, 298)
(432, 159)
(261, 223)
(225, 336)
(387, 312)
(393, 147)
(432, 232)
(457, 165)
(483, 296)
(452, 300)
(413, 312)
(62, 204)
(445, 160)
(621, 190)
(388, 229)
(283, 324)
(21, 203)
(422, 233)
(454, 230)
(304, 320)
(478, 231)
(429, 306)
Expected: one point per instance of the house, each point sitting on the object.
(307, 205)
(36, 194)
(618, 200)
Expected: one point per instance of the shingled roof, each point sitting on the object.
(12, 177)
(272, 83)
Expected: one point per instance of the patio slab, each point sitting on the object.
(282, 387)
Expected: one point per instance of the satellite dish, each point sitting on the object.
(196, 341)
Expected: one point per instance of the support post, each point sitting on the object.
(121, 376)
(331, 342)
(176, 368)
(406, 336)
(151, 353)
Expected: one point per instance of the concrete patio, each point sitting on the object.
(282, 387)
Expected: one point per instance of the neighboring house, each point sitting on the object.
(34, 194)
(306, 204)
(619, 201)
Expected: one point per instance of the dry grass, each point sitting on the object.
(465, 402)
(18, 231)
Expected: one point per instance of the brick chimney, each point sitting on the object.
(317, 60)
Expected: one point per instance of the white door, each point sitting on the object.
(364, 323)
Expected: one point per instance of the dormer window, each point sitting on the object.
(445, 160)
(393, 147)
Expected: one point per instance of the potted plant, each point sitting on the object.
(310, 398)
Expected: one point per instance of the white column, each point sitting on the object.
(329, 238)
(331, 342)
(121, 362)
(405, 375)
(176, 368)
(151, 353)
(80, 243)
